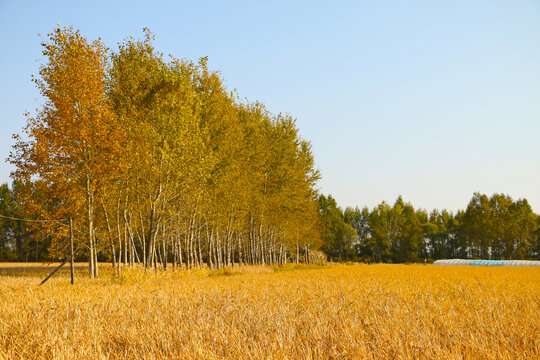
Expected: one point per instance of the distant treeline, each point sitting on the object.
(495, 227)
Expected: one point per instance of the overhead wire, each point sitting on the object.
(33, 220)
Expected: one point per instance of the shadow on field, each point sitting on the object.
(39, 269)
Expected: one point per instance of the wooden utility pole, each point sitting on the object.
(72, 257)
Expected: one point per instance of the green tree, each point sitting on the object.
(409, 239)
(364, 244)
(384, 224)
(477, 227)
(338, 237)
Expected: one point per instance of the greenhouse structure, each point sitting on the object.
(466, 262)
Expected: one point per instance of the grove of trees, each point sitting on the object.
(157, 163)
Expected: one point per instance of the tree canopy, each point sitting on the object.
(495, 227)
(156, 161)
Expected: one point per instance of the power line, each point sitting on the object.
(32, 220)
(59, 221)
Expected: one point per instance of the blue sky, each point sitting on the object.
(433, 100)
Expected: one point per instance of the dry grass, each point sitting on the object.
(340, 312)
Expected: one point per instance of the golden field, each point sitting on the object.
(335, 312)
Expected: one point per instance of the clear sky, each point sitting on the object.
(433, 100)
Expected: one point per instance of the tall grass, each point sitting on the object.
(338, 312)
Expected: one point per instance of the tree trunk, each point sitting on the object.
(96, 268)
(164, 243)
(109, 230)
(151, 234)
(240, 261)
(90, 215)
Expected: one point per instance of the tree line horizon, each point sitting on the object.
(158, 163)
(495, 227)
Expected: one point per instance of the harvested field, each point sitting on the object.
(335, 312)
